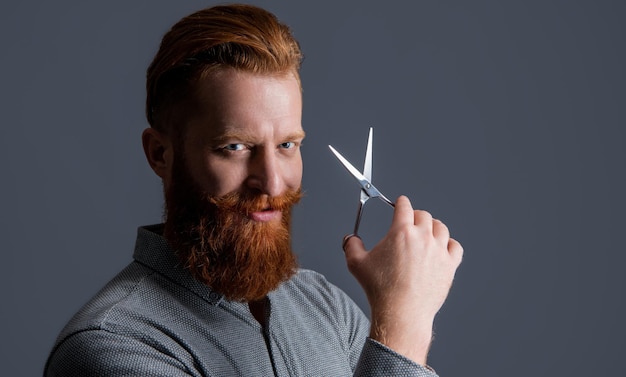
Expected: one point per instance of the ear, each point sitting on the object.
(159, 152)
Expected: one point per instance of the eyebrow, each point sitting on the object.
(248, 137)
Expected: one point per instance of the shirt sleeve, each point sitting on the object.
(379, 360)
(103, 353)
(368, 357)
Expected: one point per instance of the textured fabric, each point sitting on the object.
(154, 319)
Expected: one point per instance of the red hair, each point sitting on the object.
(243, 37)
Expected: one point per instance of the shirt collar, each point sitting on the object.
(152, 250)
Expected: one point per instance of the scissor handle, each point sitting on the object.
(358, 217)
(359, 213)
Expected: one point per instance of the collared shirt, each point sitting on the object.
(155, 319)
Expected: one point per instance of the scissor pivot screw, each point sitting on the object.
(368, 185)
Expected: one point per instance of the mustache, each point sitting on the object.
(247, 203)
(215, 238)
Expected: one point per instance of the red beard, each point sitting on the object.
(221, 246)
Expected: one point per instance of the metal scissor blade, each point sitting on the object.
(364, 182)
(367, 165)
(366, 185)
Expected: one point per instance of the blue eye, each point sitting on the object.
(287, 145)
(233, 147)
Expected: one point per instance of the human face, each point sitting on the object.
(245, 136)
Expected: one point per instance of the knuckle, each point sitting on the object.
(440, 225)
(423, 216)
(456, 250)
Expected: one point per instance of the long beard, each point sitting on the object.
(221, 246)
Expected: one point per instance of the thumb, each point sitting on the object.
(354, 250)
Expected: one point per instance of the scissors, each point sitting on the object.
(368, 190)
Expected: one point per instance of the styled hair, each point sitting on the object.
(243, 37)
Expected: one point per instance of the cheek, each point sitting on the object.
(217, 178)
(294, 174)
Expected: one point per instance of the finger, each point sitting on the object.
(424, 220)
(354, 250)
(441, 232)
(455, 250)
(403, 212)
(346, 238)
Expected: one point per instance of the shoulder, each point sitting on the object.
(114, 307)
(116, 294)
(114, 329)
(99, 352)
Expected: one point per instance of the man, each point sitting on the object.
(215, 290)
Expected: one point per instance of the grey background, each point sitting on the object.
(504, 119)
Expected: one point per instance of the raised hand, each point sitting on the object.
(406, 278)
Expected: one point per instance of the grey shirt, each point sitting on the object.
(154, 319)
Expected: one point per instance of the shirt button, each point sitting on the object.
(214, 297)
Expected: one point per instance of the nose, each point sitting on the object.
(265, 173)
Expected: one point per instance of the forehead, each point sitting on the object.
(231, 102)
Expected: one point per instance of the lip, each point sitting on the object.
(265, 216)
